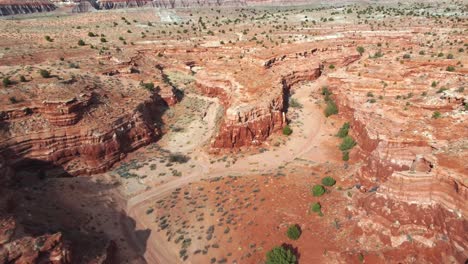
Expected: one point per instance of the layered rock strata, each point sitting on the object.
(13, 7)
(66, 131)
(247, 124)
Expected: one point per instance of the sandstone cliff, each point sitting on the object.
(12, 7)
(65, 131)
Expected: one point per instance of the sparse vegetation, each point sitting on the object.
(294, 103)
(328, 181)
(287, 130)
(343, 132)
(318, 190)
(360, 49)
(148, 86)
(293, 232)
(347, 144)
(44, 73)
(436, 115)
(280, 255)
(178, 158)
(6, 81)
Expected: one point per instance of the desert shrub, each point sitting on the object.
(328, 181)
(343, 132)
(13, 100)
(450, 56)
(331, 67)
(436, 115)
(44, 73)
(148, 86)
(347, 143)
(442, 89)
(48, 38)
(280, 255)
(22, 78)
(450, 68)
(360, 50)
(179, 158)
(316, 207)
(325, 91)
(6, 81)
(378, 54)
(91, 34)
(434, 84)
(293, 232)
(73, 65)
(103, 40)
(331, 108)
(287, 130)
(345, 155)
(406, 56)
(81, 42)
(318, 190)
(294, 103)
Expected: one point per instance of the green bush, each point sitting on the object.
(450, 68)
(318, 190)
(325, 91)
(6, 81)
(178, 158)
(44, 73)
(103, 40)
(360, 50)
(345, 156)
(331, 108)
(148, 86)
(436, 115)
(287, 130)
(280, 255)
(293, 232)
(294, 103)
(406, 56)
(347, 144)
(343, 132)
(331, 67)
(81, 42)
(450, 56)
(316, 207)
(328, 181)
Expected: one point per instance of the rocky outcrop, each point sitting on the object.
(83, 7)
(67, 131)
(14, 7)
(95, 148)
(115, 4)
(49, 248)
(247, 124)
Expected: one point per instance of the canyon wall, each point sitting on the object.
(13, 7)
(67, 140)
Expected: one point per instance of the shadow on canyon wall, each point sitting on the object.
(81, 209)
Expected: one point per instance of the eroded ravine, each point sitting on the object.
(312, 119)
